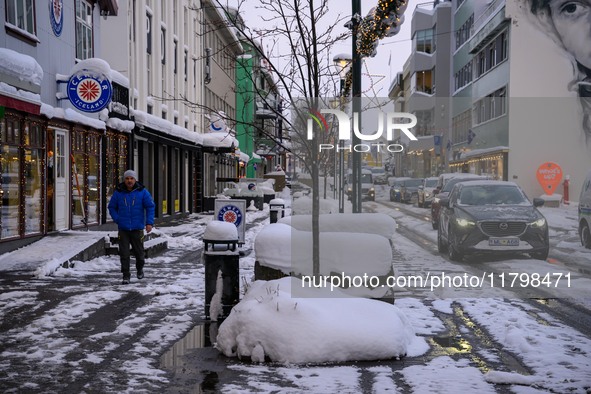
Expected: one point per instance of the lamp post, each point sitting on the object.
(356, 91)
(342, 62)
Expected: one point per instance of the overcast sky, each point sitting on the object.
(396, 48)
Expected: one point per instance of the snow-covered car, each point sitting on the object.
(425, 193)
(585, 212)
(491, 217)
(443, 193)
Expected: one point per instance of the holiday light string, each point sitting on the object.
(384, 20)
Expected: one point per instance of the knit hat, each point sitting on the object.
(130, 173)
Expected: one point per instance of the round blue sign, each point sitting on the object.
(56, 18)
(230, 214)
(89, 94)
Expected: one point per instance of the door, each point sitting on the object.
(61, 181)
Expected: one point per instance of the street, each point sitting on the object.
(79, 330)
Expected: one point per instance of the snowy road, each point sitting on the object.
(80, 331)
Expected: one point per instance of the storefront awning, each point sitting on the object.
(32, 107)
(223, 142)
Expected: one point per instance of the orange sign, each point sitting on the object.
(549, 176)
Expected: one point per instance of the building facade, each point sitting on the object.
(52, 151)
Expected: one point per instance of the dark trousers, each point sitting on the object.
(135, 239)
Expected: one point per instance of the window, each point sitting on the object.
(492, 54)
(490, 107)
(424, 41)
(424, 81)
(21, 13)
(463, 33)
(83, 30)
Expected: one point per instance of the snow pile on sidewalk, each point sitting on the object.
(269, 324)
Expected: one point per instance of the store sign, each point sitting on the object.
(549, 176)
(232, 211)
(56, 16)
(89, 93)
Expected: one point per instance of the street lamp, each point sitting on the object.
(342, 62)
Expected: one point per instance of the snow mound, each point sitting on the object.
(269, 324)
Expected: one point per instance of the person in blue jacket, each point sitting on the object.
(132, 208)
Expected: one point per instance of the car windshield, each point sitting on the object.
(431, 182)
(452, 182)
(492, 195)
(413, 183)
(366, 178)
(378, 171)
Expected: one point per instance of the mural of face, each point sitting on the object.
(572, 21)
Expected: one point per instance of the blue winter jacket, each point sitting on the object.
(132, 210)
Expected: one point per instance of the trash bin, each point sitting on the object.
(221, 260)
(276, 209)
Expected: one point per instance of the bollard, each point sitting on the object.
(276, 207)
(221, 260)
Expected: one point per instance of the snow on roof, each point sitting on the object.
(219, 140)
(126, 126)
(243, 156)
(23, 95)
(22, 67)
(163, 125)
(270, 322)
(481, 152)
(490, 182)
(96, 66)
(119, 78)
(73, 116)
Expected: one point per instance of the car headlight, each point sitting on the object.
(349, 190)
(427, 195)
(371, 189)
(538, 223)
(464, 222)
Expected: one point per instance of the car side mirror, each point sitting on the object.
(538, 202)
(435, 191)
(444, 202)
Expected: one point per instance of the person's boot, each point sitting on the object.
(126, 278)
(140, 269)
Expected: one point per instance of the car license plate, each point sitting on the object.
(503, 241)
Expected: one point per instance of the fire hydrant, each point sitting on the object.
(565, 186)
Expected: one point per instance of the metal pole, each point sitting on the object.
(356, 91)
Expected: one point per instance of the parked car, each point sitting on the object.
(425, 193)
(368, 191)
(492, 217)
(585, 212)
(450, 183)
(396, 188)
(410, 189)
(380, 177)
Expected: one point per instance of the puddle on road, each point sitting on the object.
(201, 336)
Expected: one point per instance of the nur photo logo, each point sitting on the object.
(390, 121)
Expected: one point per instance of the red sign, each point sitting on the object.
(549, 176)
